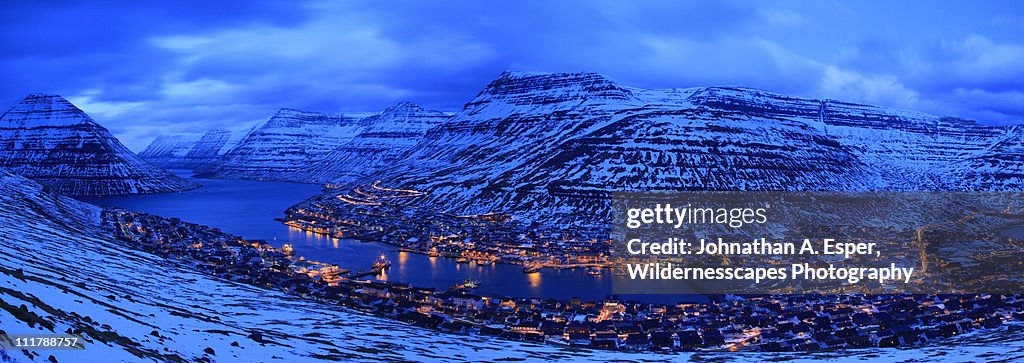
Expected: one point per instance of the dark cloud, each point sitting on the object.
(144, 68)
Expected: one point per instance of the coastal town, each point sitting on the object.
(374, 213)
(782, 323)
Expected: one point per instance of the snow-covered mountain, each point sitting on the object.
(529, 144)
(191, 151)
(304, 146)
(60, 272)
(167, 150)
(286, 145)
(46, 138)
(997, 166)
(382, 141)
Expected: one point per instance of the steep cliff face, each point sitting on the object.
(381, 143)
(538, 145)
(46, 138)
(286, 145)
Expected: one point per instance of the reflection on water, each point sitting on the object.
(231, 206)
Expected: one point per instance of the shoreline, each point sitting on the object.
(694, 324)
(404, 248)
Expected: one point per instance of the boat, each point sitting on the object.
(531, 269)
(594, 271)
(462, 260)
(468, 284)
(288, 249)
(433, 252)
(484, 262)
(381, 264)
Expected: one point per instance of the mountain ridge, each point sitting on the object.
(530, 143)
(49, 139)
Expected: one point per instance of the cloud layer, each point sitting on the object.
(185, 67)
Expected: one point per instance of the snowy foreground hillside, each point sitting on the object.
(59, 273)
(131, 305)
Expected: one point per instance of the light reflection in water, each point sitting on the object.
(534, 280)
(254, 219)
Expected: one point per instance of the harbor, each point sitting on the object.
(238, 213)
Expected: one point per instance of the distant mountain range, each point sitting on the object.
(166, 150)
(190, 152)
(544, 145)
(300, 146)
(284, 147)
(529, 142)
(46, 138)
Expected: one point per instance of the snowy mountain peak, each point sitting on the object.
(44, 110)
(532, 144)
(286, 143)
(168, 146)
(46, 138)
(520, 75)
(404, 106)
(293, 118)
(407, 109)
(191, 151)
(289, 112)
(522, 88)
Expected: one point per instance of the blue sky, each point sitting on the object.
(146, 68)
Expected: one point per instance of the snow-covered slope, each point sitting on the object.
(316, 147)
(167, 150)
(59, 272)
(997, 166)
(380, 144)
(191, 151)
(908, 149)
(286, 145)
(530, 143)
(209, 151)
(46, 138)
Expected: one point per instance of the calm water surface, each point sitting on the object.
(248, 208)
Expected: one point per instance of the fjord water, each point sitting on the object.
(248, 208)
